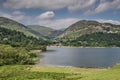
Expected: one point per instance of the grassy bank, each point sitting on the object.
(28, 72)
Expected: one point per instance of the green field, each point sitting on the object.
(30, 72)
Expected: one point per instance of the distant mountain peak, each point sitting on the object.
(46, 31)
(87, 27)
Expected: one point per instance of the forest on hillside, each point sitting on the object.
(98, 39)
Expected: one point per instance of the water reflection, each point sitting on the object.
(81, 57)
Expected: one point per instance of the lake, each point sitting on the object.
(80, 57)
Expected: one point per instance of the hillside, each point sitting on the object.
(13, 25)
(41, 30)
(18, 39)
(90, 34)
(45, 31)
(98, 39)
(87, 27)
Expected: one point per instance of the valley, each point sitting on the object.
(23, 47)
(84, 33)
(59, 39)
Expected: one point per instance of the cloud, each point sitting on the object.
(58, 23)
(81, 5)
(71, 5)
(44, 19)
(47, 15)
(106, 5)
(102, 6)
(85, 6)
(48, 19)
(109, 21)
(16, 15)
(5, 15)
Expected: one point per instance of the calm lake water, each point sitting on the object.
(80, 57)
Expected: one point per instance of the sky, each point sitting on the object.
(59, 14)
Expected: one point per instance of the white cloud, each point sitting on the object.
(16, 15)
(81, 5)
(58, 23)
(47, 15)
(106, 5)
(109, 21)
(64, 23)
(72, 5)
(5, 15)
(46, 19)
(87, 6)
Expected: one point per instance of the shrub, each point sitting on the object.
(10, 55)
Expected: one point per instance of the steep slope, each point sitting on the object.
(45, 31)
(13, 25)
(87, 27)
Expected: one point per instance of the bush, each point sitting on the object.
(10, 55)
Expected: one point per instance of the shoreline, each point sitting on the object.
(59, 66)
(77, 47)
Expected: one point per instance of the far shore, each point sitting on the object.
(36, 51)
(77, 47)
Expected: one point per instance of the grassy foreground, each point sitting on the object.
(29, 72)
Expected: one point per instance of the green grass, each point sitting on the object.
(29, 72)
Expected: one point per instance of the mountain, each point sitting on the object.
(87, 27)
(90, 34)
(45, 31)
(56, 33)
(13, 25)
